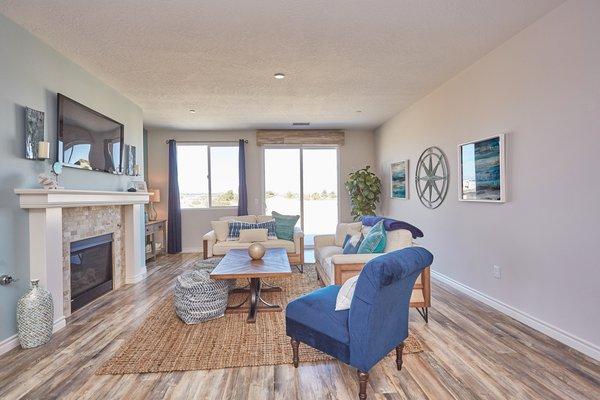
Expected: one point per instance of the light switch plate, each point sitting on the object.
(497, 272)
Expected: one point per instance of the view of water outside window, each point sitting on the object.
(282, 187)
(282, 181)
(224, 176)
(192, 168)
(320, 192)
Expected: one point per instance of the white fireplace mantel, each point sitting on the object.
(45, 234)
(51, 198)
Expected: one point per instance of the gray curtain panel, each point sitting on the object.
(243, 191)
(174, 223)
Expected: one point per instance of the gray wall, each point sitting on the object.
(31, 73)
(356, 153)
(542, 87)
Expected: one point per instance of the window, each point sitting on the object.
(208, 175)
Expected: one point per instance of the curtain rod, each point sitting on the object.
(206, 141)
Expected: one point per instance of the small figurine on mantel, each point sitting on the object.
(50, 181)
(47, 181)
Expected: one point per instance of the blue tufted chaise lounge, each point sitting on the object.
(377, 321)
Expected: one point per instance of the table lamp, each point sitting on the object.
(154, 198)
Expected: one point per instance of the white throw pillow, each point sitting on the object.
(242, 218)
(264, 218)
(344, 297)
(253, 235)
(344, 229)
(398, 239)
(221, 229)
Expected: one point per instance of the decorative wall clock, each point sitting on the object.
(431, 177)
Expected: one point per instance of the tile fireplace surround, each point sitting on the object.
(59, 217)
(88, 222)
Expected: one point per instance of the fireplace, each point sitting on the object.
(91, 269)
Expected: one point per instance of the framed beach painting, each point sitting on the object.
(399, 180)
(482, 170)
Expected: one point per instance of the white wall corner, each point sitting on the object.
(59, 324)
(587, 348)
(136, 278)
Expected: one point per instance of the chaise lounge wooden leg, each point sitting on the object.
(204, 249)
(399, 350)
(363, 379)
(295, 358)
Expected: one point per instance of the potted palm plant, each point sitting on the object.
(364, 188)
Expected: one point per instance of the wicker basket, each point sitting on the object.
(199, 298)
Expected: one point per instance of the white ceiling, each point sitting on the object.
(219, 57)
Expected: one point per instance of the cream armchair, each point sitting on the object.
(211, 246)
(335, 268)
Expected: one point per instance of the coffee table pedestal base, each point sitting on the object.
(254, 302)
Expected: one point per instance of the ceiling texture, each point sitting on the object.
(348, 63)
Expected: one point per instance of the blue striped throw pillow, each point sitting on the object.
(236, 226)
(269, 226)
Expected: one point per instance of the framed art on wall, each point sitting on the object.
(482, 170)
(34, 132)
(130, 160)
(399, 180)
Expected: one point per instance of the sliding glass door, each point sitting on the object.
(303, 181)
(282, 182)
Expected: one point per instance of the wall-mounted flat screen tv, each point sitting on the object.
(88, 139)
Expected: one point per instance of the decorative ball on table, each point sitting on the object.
(256, 251)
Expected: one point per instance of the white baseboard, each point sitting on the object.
(562, 336)
(191, 250)
(8, 344)
(59, 324)
(13, 341)
(137, 278)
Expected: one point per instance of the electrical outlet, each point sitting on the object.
(497, 272)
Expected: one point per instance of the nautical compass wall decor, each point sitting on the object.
(432, 176)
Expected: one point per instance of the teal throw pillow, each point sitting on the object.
(284, 225)
(374, 241)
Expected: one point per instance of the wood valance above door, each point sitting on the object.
(304, 136)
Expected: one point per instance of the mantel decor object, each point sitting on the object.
(35, 316)
(51, 181)
(256, 251)
(47, 181)
(43, 150)
(136, 185)
(130, 160)
(34, 134)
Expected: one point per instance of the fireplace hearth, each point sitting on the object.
(91, 269)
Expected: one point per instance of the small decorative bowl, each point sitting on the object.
(256, 251)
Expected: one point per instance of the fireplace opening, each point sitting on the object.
(91, 269)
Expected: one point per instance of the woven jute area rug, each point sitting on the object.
(163, 343)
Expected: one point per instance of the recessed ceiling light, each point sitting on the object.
(192, 111)
(279, 75)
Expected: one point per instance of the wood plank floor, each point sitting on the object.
(472, 352)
